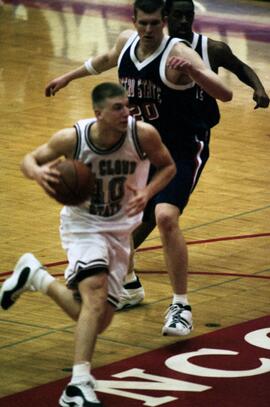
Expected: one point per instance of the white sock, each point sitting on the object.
(81, 372)
(42, 279)
(180, 299)
(130, 277)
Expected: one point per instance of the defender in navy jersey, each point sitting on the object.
(95, 234)
(179, 70)
(215, 54)
(168, 106)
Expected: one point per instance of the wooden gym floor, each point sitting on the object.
(227, 222)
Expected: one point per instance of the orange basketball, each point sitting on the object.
(76, 184)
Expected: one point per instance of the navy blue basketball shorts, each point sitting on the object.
(189, 170)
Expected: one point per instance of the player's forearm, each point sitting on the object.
(92, 66)
(250, 78)
(78, 73)
(211, 84)
(60, 82)
(161, 178)
(29, 166)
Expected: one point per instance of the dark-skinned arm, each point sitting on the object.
(221, 55)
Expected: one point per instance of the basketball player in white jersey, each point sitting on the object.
(162, 94)
(95, 234)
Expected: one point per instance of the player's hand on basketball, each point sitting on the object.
(179, 64)
(138, 201)
(55, 85)
(47, 176)
(261, 99)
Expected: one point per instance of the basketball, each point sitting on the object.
(76, 183)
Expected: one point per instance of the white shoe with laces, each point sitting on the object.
(178, 320)
(19, 281)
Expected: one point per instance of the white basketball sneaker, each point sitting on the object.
(19, 281)
(132, 294)
(79, 395)
(178, 320)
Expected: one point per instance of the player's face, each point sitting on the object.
(115, 113)
(149, 27)
(180, 20)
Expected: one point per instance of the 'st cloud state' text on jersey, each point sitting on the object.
(124, 163)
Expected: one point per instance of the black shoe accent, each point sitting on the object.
(133, 284)
(183, 307)
(74, 391)
(7, 300)
(183, 322)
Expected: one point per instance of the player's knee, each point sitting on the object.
(166, 222)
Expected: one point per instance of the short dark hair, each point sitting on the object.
(106, 90)
(149, 6)
(169, 4)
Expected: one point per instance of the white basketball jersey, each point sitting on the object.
(115, 168)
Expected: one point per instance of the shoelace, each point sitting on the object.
(175, 311)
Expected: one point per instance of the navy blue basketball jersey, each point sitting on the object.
(207, 105)
(171, 109)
